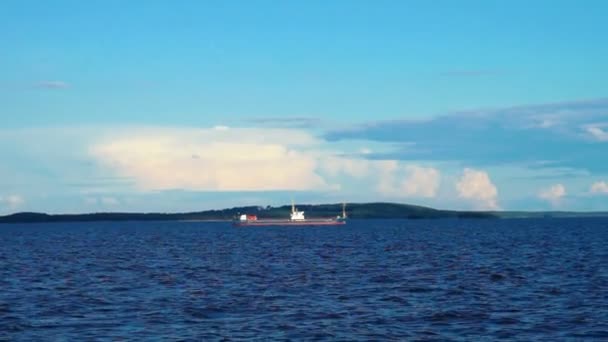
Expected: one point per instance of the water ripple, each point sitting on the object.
(370, 280)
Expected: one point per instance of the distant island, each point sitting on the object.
(378, 210)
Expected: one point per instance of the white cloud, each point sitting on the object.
(476, 185)
(385, 173)
(12, 201)
(421, 181)
(599, 188)
(236, 159)
(335, 166)
(597, 132)
(546, 123)
(407, 181)
(391, 178)
(85, 163)
(553, 194)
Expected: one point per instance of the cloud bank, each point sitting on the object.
(224, 159)
(569, 134)
(407, 160)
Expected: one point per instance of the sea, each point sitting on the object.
(370, 280)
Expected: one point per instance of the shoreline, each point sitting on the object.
(376, 210)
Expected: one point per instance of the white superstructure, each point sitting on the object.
(295, 214)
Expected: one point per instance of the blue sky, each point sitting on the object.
(186, 105)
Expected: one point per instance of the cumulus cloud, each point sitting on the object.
(391, 177)
(407, 181)
(475, 185)
(336, 166)
(599, 188)
(236, 159)
(138, 158)
(553, 194)
(52, 85)
(385, 172)
(421, 181)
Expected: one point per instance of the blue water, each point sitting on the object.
(370, 280)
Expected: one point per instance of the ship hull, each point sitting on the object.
(289, 223)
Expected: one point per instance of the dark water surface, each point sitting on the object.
(370, 280)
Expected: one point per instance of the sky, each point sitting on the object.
(191, 105)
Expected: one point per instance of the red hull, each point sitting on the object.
(265, 223)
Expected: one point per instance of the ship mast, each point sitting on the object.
(343, 210)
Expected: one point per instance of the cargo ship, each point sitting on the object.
(296, 218)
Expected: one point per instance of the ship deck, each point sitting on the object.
(280, 222)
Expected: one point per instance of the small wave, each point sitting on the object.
(208, 312)
(392, 281)
(497, 277)
(591, 334)
(447, 316)
(395, 299)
